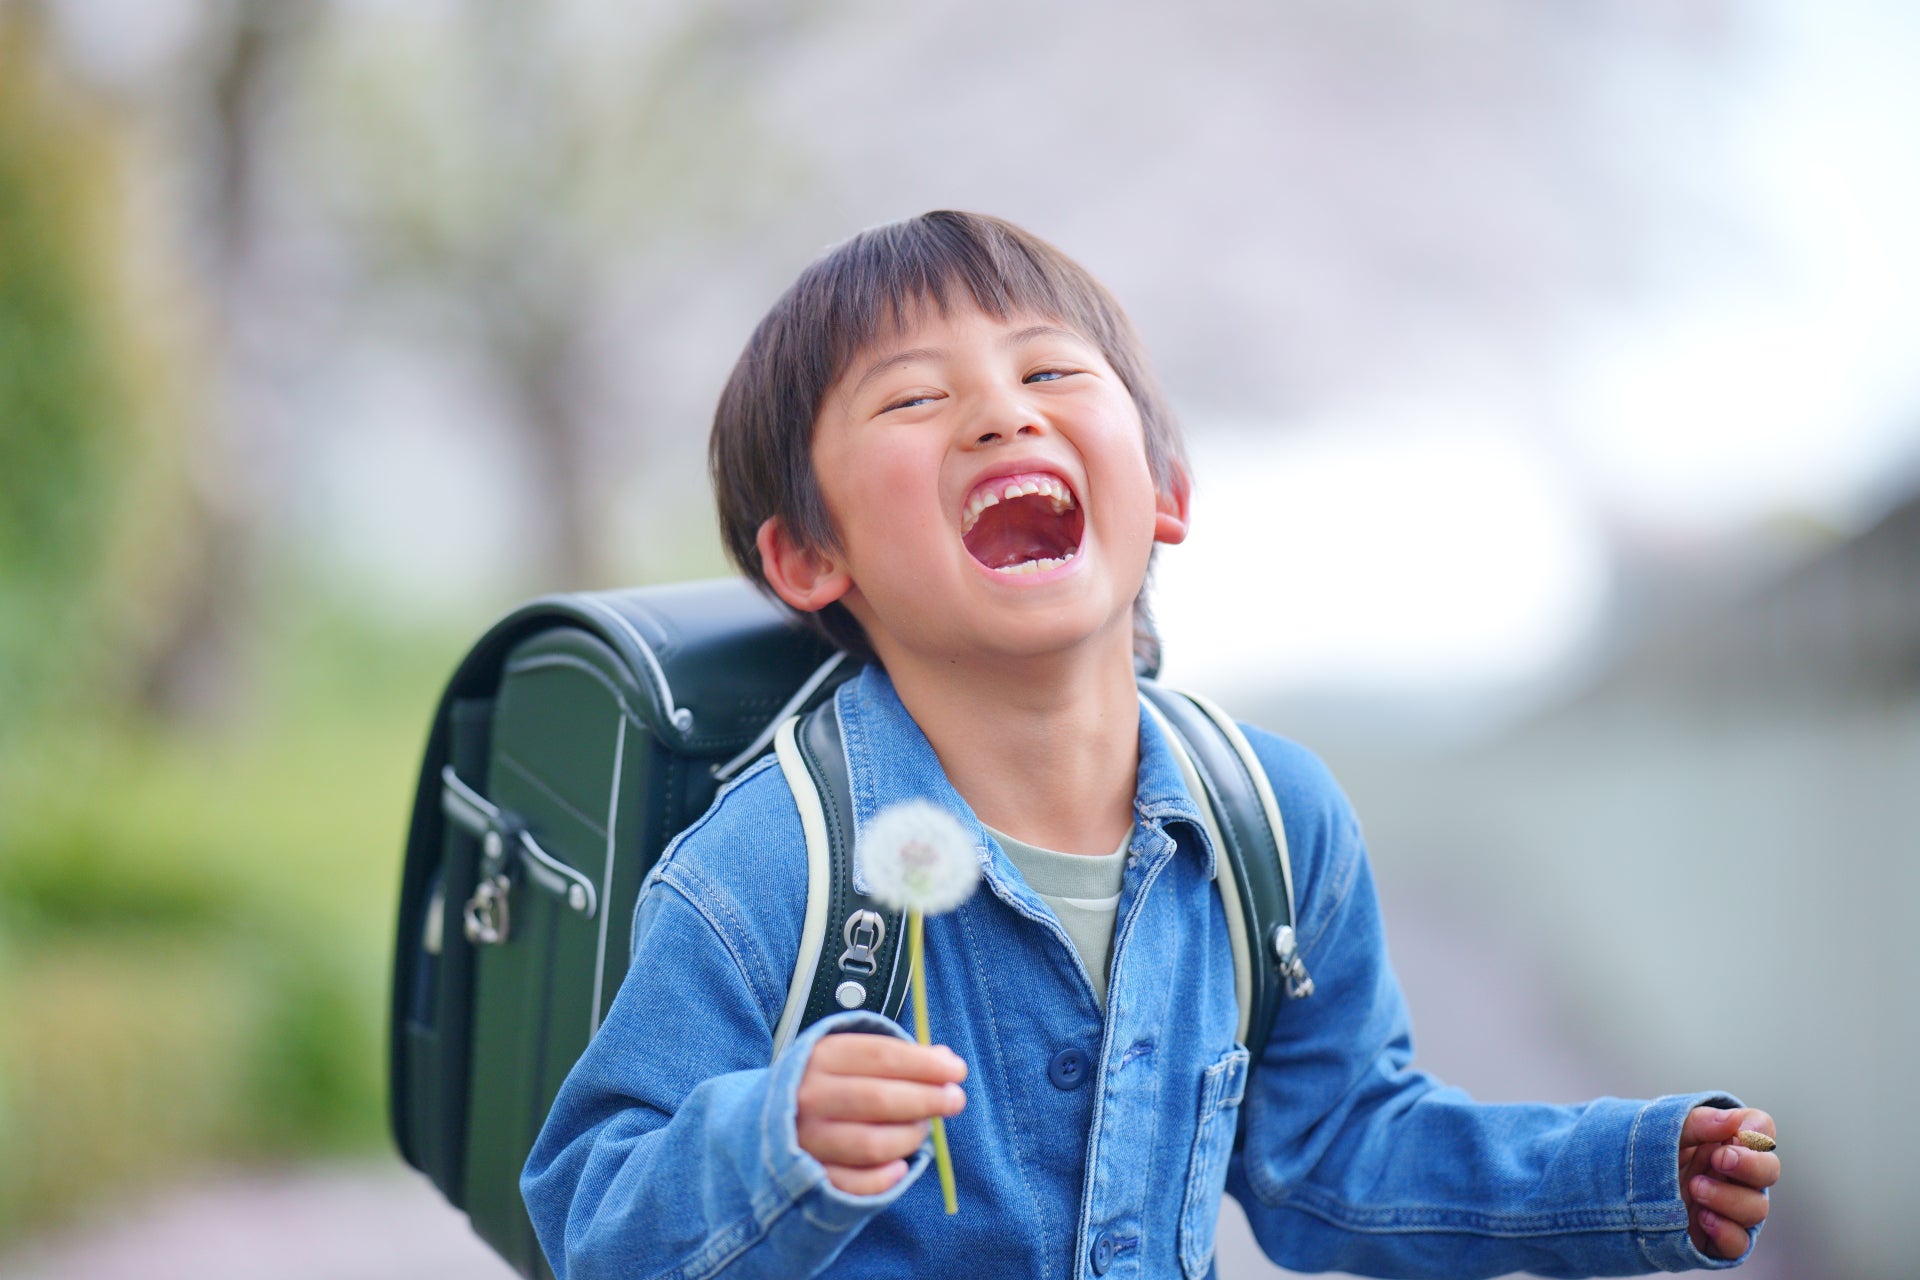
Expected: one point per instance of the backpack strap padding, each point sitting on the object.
(813, 932)
(1261, 785)
(1225, 879)
(1248, 839)
(1217, 763)
(858, 961)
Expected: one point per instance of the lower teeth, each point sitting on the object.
(1036, 566)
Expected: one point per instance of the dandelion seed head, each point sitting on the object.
(917, 857)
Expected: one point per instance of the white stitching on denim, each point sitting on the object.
(696, 1267)
(1633, 1149)
(673, 846)
(686, 895)
(1342, 888)
(725, 793)
(1204, 1155)
(1122, 930)
(999, 1050)
(761, 980)
(1433, 1221)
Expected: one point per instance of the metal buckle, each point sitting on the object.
(1286, 950)
(486, 918)
(505, 840)
(864, 932)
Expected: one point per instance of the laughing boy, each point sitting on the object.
(944, 447)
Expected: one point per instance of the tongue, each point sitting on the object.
(1020, 529)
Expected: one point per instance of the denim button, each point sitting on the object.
(1102, 1253)
(1068, 1070)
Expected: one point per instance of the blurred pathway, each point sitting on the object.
(374, 1221)
(342, 1222)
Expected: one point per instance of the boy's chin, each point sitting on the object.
(1052, 634)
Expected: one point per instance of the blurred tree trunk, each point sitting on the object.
(536, 277)
(531, 281)
(196, 670)
(537, 345)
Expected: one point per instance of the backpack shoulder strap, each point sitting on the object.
(1256, 880)
(870, 970)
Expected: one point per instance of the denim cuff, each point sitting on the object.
(801, 1179)
(1653, 1163)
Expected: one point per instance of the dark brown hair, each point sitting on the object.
(850, 298)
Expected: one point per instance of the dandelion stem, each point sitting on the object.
(916, 951)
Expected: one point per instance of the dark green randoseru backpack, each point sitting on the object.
(575, 740)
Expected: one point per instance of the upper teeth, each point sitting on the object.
(993, 492)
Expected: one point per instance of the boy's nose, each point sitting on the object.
(995, 437)
(1001, 415)
(1002, 418)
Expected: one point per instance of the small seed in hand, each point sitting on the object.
(1754, 1140)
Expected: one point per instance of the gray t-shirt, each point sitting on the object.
(1084, 892)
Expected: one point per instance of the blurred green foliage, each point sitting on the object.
(195, 928)
(61, 400)
(195, 919)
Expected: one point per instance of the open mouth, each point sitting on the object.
(1026, 523)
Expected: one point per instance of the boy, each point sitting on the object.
(944, 447)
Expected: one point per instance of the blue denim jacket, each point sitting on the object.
(1090, 1145)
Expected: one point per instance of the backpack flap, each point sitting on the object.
(576, 737)
(718, 660)
(564, 790)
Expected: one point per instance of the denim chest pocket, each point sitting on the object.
(1221, 1089)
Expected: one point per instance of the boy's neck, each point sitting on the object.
(1046, 750)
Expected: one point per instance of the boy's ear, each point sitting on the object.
(806, 578)
(1170, 507)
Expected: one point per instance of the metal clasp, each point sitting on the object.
(1286, 949)
(864, 932)
(486, 919)
(505, 841)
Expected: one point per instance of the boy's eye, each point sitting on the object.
(1048, 375)
(908, 402)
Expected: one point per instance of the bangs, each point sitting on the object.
(873, 286)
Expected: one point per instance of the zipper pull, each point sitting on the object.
(1286, 949)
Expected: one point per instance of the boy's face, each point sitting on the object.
(916, 449)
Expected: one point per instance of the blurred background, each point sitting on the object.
(1552, 378)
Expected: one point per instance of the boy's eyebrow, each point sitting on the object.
(912, 355)
(1033, 331)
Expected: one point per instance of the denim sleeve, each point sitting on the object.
(1355, 1161)
(671, 1149)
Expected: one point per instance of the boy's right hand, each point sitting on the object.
(865, 1102)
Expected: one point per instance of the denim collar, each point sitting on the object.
(890, 760)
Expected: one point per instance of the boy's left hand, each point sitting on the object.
(1721, 1181)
